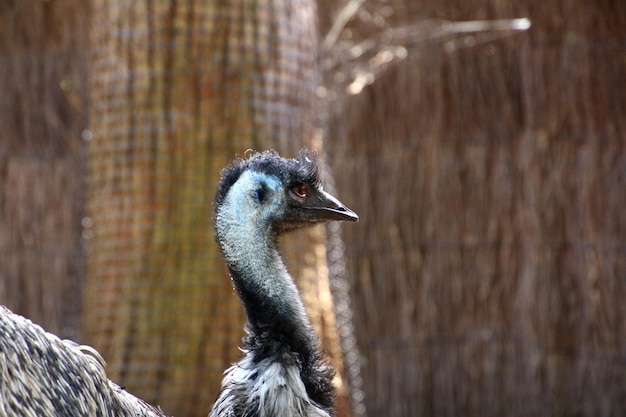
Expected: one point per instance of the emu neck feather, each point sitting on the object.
(271, 299)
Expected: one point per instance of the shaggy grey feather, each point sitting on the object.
(42, 375)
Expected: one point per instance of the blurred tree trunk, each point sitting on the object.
(43, 110)
(179, 89)
(490, 175)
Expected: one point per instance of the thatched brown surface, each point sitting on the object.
(487, 272)
(43, 111)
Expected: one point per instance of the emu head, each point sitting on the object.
(275, 194)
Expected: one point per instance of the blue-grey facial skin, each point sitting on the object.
(282, 372)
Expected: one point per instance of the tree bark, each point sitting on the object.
(178, 90)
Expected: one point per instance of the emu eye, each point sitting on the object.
(261, 193)
(300, 190)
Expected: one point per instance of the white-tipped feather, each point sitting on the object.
(270, 388)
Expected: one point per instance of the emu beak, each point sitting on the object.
(325, 207)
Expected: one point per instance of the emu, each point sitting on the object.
(282, 372)
(42, 375)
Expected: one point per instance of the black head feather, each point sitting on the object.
(301, 170)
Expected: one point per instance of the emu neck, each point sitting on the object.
(273, 306)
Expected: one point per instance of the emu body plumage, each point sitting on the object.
(42, 375)
(282, 372)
